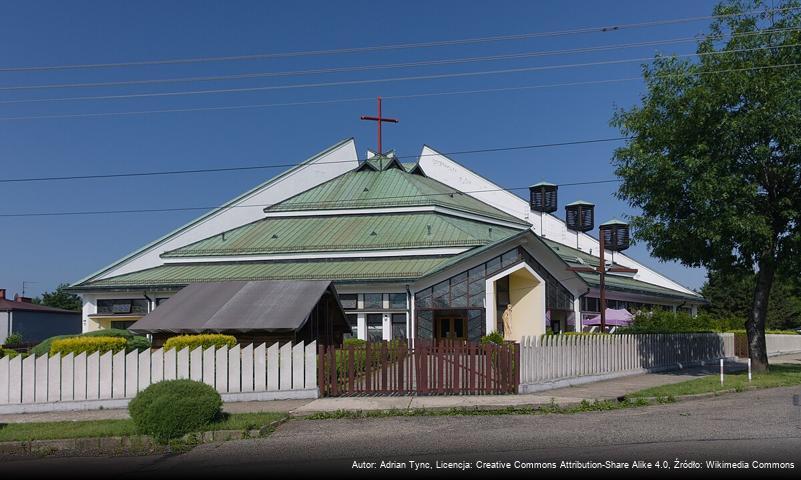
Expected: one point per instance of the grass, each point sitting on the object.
(120, 428)
(584, 406)
(782, 375)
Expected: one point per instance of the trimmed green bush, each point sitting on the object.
(135, 342)
(215, 340)
(7, 352)
(87, 345)
(14, 340)
(494, 337)
(173, 408)
(668, 322)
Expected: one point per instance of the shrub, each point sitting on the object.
(668, 322)
(353, 341)
(215, 340)
(134, 342)
(14, 340)
(7, 352)
(494, 337)
(78, 345)
(173, 408)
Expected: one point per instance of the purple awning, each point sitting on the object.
(614, 318)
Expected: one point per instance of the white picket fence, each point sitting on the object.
(78, 382)
(555, 360)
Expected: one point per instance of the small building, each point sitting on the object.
(251, 311)
(35, 322)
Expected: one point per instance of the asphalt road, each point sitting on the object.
(759, 426)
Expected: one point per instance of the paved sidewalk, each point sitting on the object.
(608, 389)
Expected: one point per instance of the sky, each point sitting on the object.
(44, 251)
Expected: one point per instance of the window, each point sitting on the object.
(375, 327)
(397, 301)
(398, 326)
(353, 319)
(122, 307)
(122, 325)
(349, 301)
(373, 300)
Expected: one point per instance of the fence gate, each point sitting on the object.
(427, 368)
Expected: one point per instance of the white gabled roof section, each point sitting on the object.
(443, 169)
(244, 209)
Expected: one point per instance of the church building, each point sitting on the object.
(426, 249)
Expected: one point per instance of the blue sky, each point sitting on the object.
(50, 250)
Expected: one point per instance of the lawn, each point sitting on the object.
(782, 375)
(120, 428)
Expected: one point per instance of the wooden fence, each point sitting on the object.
(111, 379)
(442, 368)
(553, 358)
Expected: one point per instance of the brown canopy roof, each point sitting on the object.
(236, 306)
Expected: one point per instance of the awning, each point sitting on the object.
(614, 318)
(242, 306)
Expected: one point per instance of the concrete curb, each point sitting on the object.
(127, 446)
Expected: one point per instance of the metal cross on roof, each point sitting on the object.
(379, 119)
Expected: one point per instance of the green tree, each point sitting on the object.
(714, 162)
(59, 298)
(730, 296)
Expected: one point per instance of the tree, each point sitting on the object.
(714, 159)
(730, 296)
(59, 298)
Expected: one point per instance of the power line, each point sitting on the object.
(400, 46)
(296, 204)
(361, 99)
(446, 61)
(380, 80)
(290, 165)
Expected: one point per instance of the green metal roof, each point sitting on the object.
(347, 233)
(390, 187)
(355, 269)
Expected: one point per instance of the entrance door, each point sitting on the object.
(451, 328)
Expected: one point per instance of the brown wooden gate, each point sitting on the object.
(395, 368)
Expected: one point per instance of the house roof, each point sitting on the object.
(386, 183)
(10, 305)
(236, 306)
(347, 233)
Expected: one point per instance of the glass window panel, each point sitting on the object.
(476, 273)
(139, 305)
(397, 300)
(441, 292)
(475, 325)
(493, 265)
(422, 299)
(375, 327)
(373, 300)
(425, 324)
(353, 319)
(399, 326)
(349, 301)
(509, 258)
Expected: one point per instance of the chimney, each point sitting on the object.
(2, 293)
(21, 299)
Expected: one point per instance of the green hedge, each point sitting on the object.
(134, 342)
(192, 342)
(76, 345)
(669, 322)
(494, 337)
(173, 408)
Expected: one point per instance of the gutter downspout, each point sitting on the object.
(578, 317)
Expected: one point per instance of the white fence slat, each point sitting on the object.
(28, 379)
(272, 367)
(298, 372)
(182, 364)
(105, 375)
(196, 364)
(221, 369)
(247, 368)
(260, 368)
(15, 380)
(54, 378)
(40, 388)
(234, 380)
(93, 376)
(118, 375)
(5, 379)
(208, 366)
(131, 374)
(79, 377)
(285, 367)
(144, 369)
(169, 364)
(67, 378)
(310, 365)
(157, 366)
